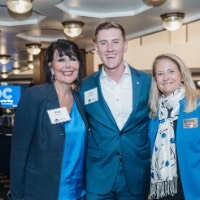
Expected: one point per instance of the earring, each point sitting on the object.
(52, 77)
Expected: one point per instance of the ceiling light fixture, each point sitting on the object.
(16, 69)
(33, 48)
(154, 2)
(4, 59)
(172, 21)
(30, 64)
(19, 6)
(4, 74)
(72, 28)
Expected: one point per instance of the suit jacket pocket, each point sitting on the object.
(95, 153)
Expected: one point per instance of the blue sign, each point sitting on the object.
(9, 96)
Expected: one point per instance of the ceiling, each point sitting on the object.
(44, 23)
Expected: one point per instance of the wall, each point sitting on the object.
(184, 42)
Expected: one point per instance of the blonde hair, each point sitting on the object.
(191, 92)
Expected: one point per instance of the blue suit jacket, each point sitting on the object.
(37, 145)
(106, 143)
(188, 150)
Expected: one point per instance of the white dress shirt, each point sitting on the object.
(118, 96)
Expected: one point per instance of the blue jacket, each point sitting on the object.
(188, 150)
(106, 143)
(37, 145)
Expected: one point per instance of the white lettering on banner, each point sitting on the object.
(5, 93)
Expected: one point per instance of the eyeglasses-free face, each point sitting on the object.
(66, 59)
(110, 46)
(64, 68)
(167, 76)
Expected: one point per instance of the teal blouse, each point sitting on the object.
(71, 182)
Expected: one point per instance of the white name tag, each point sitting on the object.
(58, 115)
(91, 96)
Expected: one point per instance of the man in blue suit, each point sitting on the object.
(115, 99)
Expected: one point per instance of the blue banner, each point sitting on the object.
(9, 96)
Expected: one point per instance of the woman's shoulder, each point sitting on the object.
(37, 92)
(42, 88)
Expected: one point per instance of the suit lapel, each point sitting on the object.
(52, 102)
(80, 108)
(136, 84)
(101, 100)
(136, 92)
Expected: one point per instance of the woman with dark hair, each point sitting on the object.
(48, 142)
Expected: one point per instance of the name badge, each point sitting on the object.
(190, 123)
(91, 96)
(58, 115)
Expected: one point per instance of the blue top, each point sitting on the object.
(71, 182)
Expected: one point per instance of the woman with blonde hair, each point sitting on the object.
(174, 131)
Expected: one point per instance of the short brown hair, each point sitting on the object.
(109, 25)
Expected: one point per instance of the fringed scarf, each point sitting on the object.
(164, 161)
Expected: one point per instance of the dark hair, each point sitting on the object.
(107, 26)
(63, 47)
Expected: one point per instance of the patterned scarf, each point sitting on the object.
(164, 161)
